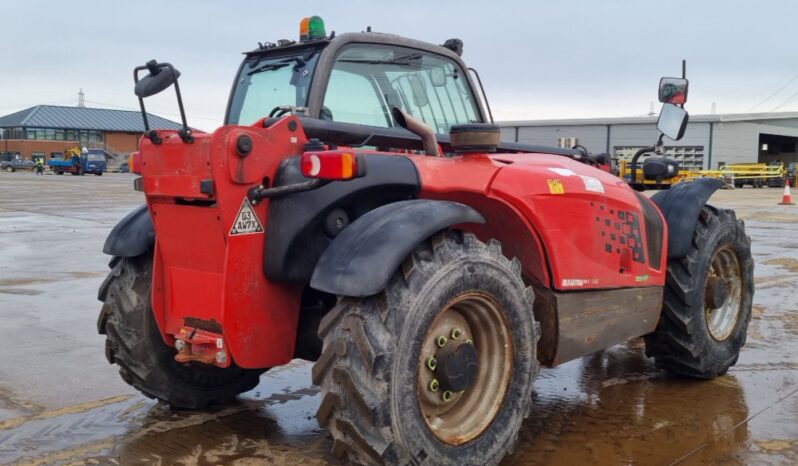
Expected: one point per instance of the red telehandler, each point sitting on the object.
(358, 209)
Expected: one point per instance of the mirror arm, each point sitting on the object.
(659, 146)
(637, 155)
(141, 100)
(185, 133)
(484, 96)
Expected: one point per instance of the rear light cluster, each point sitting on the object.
(333, 165)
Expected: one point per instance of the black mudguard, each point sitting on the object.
(295, 235)
(366, 254)
(132, 236)
(681, 205)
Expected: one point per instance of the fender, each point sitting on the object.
(296, 235)
(366, 254)
(132, 236)
(680, 206)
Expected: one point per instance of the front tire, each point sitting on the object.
(379, 401)
(707, 300)
(134, 343)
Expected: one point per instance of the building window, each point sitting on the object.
(49, 134)
(689, 157)
(70, 135)
(59, 135)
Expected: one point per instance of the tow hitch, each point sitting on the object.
(194, 344)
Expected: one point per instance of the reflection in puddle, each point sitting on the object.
(624, 411)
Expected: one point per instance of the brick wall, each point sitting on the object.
(123, 143)
(26, 147)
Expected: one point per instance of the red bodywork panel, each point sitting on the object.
(203, 276)
(571, 225)
(564, 221)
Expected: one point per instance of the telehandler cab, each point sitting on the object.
(359, 210)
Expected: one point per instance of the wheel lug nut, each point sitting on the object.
(456, 333)
(434, 385)
(469, 341)
(441, 341)
(447, 396)
(432, 363)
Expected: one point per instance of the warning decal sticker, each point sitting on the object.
(592, 184)
(556, 187)
(246, 222)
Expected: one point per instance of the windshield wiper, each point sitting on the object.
(406, 60)
(300, 63)
(269, 67)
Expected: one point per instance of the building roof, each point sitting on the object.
(651, 119)
(101, 119)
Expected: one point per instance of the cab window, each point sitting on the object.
(367, 80)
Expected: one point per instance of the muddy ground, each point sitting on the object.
(62, 403)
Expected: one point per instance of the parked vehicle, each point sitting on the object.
(17, 164)
(385, 232)
(77, 163)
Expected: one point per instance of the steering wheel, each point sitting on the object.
(278, 111)
(581, 149)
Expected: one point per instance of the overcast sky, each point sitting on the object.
(538, 59)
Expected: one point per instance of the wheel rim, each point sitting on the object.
(725, 277)
(457, 417)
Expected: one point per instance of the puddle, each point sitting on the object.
(786, 262)
(20, 291)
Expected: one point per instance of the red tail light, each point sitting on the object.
(333, 165)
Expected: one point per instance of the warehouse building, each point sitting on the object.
(709, 142)
(45, 131)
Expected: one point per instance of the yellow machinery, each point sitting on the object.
(757, 175)
(625, 173)
(71, 152)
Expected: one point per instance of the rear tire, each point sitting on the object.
(145, 361)
(698, 335)
(373, 373)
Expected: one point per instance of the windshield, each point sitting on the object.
(266, 83)
(367, 80)
(95, 158)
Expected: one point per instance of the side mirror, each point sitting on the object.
(160, 77)
(672, 121)
(673, 90)
(437, 76)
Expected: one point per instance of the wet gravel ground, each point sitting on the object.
(61, 403)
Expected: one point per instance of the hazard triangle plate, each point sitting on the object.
(246, 222)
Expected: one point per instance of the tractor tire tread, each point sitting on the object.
(142, 356)
(360, 337)
(678, 345)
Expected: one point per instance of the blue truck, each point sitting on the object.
(91, 161)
